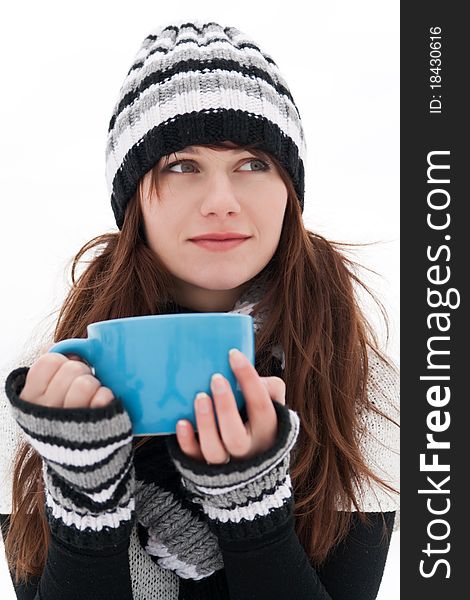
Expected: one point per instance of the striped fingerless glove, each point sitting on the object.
(244, 499)
(88, 468)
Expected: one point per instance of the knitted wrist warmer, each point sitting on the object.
(88, 470)
(243, 499)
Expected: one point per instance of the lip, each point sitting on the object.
(219, 245)
(220, 235)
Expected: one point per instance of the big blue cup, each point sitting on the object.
(157, 364)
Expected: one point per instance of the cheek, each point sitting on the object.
(271, 210)
(276, 192)
(165, 239)
(160, 230)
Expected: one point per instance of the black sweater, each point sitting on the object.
(260, 556)
(353, 570)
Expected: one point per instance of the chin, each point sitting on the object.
(221, 286)
(220, 282)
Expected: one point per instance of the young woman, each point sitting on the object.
(295, 496)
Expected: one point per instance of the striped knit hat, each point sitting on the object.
(193, 83)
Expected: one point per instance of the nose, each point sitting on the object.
(219, 196)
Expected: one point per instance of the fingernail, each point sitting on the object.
(182, 427)
(217, 382)
(237, 358)
(202, 403)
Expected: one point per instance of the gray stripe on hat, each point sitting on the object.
(219, 50)
(166, 93)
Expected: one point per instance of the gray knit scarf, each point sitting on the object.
(245, 304)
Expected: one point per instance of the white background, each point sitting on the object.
(62, 67)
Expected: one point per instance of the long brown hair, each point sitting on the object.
(315, 315)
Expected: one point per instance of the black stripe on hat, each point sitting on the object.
(197, 66)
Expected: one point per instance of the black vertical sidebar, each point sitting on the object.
(435, 354)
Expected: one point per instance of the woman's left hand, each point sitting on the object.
(236, 439)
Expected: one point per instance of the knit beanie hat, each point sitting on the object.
(193, 83)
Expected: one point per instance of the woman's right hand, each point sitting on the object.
(87, 455)
(57, 381)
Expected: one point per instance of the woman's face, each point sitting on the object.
(202, 191)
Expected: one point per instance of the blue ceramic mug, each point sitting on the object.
(157, 364)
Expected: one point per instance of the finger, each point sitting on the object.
(259, 406)
(62, 380)
(77, 357)
(187, 440)
(40, 375)
(81, 391)
(212, 447)
(102, 397)
(233, 431)
(276, 388)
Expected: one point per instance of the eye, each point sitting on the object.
(177, 164)
(262, 165)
